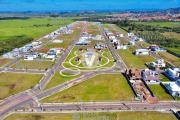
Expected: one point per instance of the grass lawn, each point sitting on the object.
(144, 44)
(160, 24)
(59, 79)
(164, 78)
(160, 92)
(171, 35)
(124, 40)
(40, 65)
(170, 58)
(45, 40)
(109, 116)
(99, 88)
(93, 27)
(133, 61)
(176, 50)
(70, 36)
(121, 30)
(107, 26)
(33, 27)
(12, 83)
(4, 61)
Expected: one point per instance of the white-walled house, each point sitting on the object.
(112, 37)
(141, 52)
(120, 35)
(158, 63)
(174, 88)
(121, 47)
(173, 73)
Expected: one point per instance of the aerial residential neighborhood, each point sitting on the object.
(89, 64)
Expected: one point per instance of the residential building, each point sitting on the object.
(141, 52)
(158, 64)
(121, 47)
(100, 46)
(174, 88)
(173, 73)
(150, 76)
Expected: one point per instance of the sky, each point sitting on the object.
(53, 5)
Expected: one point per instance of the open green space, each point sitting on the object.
(106, 26)
(143, 43)
(72, 58)
(172, 35)
(94, 116)
(40, 65)
(4, 61)
(13, 83)
(160, 93)
(58, 79)
(134, 61)
(176, 50)
(170, 58)
(99, 88)
(93, 27)
(160, 24)
(164, 78)
(120, 30)
(32, 27)
(124, 41)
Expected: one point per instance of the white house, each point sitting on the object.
(115, 40)
(112, 37)
(131, 43)
(158, 63)
(121, 47)
(120, 35)
(36, 43)
(97, 37)
(173, 73)
(52, 53)
(141, 52)
(174, 88)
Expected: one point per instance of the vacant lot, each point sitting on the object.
(99, 88)
(109, 116)
(59, 79)
(160, 24)
(134, 61)
(120, 30)
(172, 35)
(164, 78)
(170, 58)
(143, 44)
(40, 65)
(12, 83)
(32, 27)
(160, 92)
(4, 61)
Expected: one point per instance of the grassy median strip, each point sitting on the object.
(99, 88)
(12, 83)
(98, 116)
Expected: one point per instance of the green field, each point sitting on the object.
(170, 58)
(4, 61)
(143, 43)
(164, 78)
(97, 116)
(12, 83)
(40, 65)
(160, 93)
(32, 27)
(58, 79)
(134, 61)
(99, 88)
(120, 30)
(93, 29)
(160, 24)
(172, 35)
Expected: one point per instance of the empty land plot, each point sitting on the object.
(171, 35)
(32, 27)
(176, 50)
(143, 43)
(160, 24)
(124, 40)
(4, 61)
(99, 88)
(120, 30)
(12, 83)
(40, 65)
(133, 61)
(107, 26)
(109, 116)
(160, 92)
(170, 58)
(70, 36)
(58, 79)
(164, 78)
(92, 27)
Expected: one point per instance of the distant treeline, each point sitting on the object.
(13, 18)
